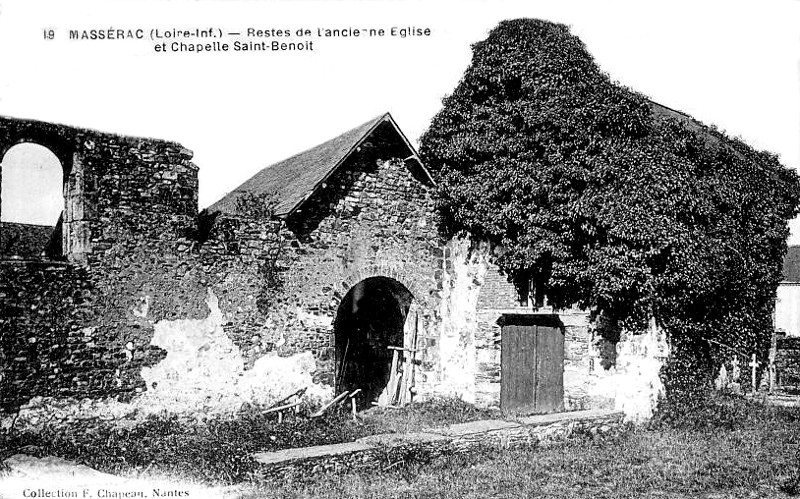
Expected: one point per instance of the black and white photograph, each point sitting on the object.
(451, 249)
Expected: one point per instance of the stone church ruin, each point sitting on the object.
(324, 271)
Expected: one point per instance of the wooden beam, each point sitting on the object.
(298, 393)
(282, 407)
(325, 407)
(401, 349)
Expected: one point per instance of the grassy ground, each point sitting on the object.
(725, 448)
(638, 464)
(220, 449)
(430, 414)
(743, 450)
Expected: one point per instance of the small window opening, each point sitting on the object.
(529, 294)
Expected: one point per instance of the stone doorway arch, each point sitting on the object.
(376, 313)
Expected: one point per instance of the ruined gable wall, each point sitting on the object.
(72, 328)
(125, 191)
(137, 258)
(113, 185)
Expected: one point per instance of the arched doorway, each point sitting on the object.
(31, 203)
(370, 319)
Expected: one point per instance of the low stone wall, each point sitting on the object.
(382, 452)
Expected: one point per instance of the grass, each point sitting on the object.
(636, 464)
(429, 414)
(745, 450)
(726, 447)
(219, 450)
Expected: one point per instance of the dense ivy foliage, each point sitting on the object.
(609, 201)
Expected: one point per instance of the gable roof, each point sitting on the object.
(295, 179)
(791, 265)
(710, 135)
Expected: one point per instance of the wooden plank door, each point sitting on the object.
(531, 369)
(517, 358)
(549, 370)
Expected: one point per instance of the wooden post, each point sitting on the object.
(753, 366)
(408, 378)
(388, 394)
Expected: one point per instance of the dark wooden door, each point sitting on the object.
(532, 369)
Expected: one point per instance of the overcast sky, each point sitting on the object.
(735, 64)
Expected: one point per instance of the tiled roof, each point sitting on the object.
(293, 180)
(23, 241)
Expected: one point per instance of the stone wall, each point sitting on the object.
(155, 298)
(787, 363)
(147, 269)
(46, 346)
(137, 255)
(372, 218)
(71, 328)
(497, 293)
(633, 383)
(382, 452)
(137, 306)
(113, 185)
(598, 373)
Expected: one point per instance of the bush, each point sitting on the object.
(715, 411)
(609, 202)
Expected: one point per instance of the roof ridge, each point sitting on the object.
(373, 124)
(297, 177)
(376, 119)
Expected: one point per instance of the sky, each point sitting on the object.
(734, 64)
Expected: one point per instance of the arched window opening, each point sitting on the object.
(31, 203)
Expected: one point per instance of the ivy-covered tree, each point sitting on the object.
(608, 201)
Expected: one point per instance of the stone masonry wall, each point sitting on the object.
(138, 285)
(148, 282)
(144, 262)
(628, 380)
(372, 218)
(113, 184)
(382, 452)
(137, 255)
